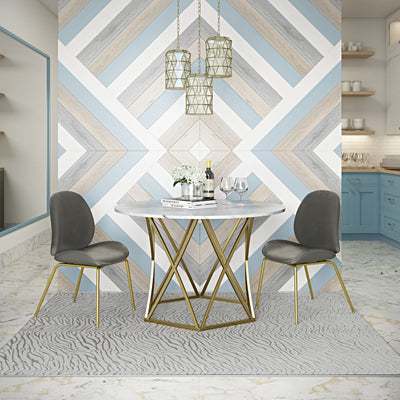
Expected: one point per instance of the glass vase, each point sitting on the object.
(191, 191)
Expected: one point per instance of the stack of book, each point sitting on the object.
(177, 202)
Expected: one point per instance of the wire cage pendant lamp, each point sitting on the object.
(219, 53)
(177, 62)
(199, 87)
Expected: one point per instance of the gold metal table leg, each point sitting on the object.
(154, 301)
(78, 284)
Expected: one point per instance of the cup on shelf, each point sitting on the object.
(356, 86)
(345, 123)
(344, 46)
(358, 123)
(349, 45)
(346, 86)
(359, 46)
(354, 47)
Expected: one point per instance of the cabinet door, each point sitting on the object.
(393, 95)
(366, 208)
(347, 221)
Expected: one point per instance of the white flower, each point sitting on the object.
(188, 174)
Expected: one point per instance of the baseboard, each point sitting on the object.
(21, 249)
(370, 236)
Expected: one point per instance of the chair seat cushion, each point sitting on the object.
(288, 252)
(98, 254)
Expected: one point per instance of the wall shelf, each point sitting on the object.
(363, 93)
(357, 132)
(357, 54)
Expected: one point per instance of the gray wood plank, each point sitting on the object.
(337, 4)
(79, 169)
(62, 4)
(287, 30)
(321, 131)
(77, 130)
(114, 28)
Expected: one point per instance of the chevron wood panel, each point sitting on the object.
(276, 121)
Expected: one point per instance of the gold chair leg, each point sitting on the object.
(342, 284)
(309, 282)
(46, 288)
(78, 284)
(97, 296)
(128, 272)
(260, 282)
(296, 297)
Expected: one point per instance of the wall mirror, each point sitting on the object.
(24, 133)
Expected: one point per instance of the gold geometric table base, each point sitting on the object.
(242, 298)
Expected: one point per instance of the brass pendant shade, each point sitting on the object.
(177, 69)
(199, 87)
(177, 62)
(199, 95)
(219, 57)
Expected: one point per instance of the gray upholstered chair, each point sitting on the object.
(72, 228)
(316, 227)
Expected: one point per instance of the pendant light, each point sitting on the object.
(199, 87)
(177, 62)
(219, 53)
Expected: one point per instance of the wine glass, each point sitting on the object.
(226, 186)
(241, 186)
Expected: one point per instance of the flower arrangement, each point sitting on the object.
(188, 174)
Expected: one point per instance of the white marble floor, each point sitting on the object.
(372, 276)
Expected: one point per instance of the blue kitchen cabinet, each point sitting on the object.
(390, 206)
(360, 203)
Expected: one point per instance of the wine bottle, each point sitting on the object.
(208, 189)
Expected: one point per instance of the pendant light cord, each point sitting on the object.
(177, 25)
(219, 17)
(199, 11)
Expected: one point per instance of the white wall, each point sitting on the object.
(31, 21)
(372, 71)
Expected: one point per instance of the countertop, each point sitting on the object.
(371, 169)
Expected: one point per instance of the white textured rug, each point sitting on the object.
(329, 340)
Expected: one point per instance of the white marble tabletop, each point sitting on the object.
(154, 209)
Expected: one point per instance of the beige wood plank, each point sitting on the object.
(168, 162)
(330, 12)
(208, 137)
(148, 97)
(130, 33)
(88, 120)
(98, 170)
(252, 98)
(281, 44)
(302, 171)
(222, 130)
(69, 11)
(138, 193)
(301, 130)
(186, 142)
(174, 133)
(261, 193)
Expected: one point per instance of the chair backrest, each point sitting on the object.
(72, 224)
(317, 221)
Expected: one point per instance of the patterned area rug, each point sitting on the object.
(329, 340)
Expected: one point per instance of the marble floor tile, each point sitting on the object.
(371, 271)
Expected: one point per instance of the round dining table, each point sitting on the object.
(155, 214)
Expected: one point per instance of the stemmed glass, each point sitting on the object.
(241, 186)
(226, 186)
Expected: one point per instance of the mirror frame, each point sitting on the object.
(47, 58)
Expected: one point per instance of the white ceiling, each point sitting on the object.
(369, 8)
(52, 5)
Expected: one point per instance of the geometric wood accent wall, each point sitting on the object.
(276, 120)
